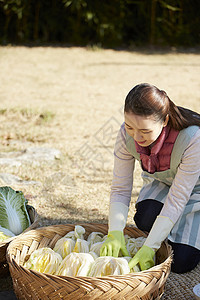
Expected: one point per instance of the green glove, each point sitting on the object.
(113, 244)
(144, 257)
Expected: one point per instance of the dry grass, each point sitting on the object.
(71, 99)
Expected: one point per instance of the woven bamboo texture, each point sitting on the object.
(3, 245)
(29, 284)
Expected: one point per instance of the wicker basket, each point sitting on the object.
(3, 245)
(29, 284)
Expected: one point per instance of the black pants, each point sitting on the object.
(185, 257)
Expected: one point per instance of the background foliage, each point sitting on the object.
(107, 23)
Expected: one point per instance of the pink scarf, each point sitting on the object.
(158, 157)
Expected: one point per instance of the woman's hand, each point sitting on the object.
(144, 257)
(113, 244)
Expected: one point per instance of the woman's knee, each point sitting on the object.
(146, 213)
(185, 257)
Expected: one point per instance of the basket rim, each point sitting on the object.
(157, 268)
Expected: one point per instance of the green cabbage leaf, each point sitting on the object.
(13, 212)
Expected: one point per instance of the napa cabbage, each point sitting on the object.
(64, 246)
(96, 247)
(81, 246)
(134, 244)
(95, 237)
(44, 260)
(77, 233)
(14, 215)
(108, 265)
(75, 264)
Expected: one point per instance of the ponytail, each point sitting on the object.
(180, 117)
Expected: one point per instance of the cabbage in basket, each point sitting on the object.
(81, 246)
(77, 233)
(95, 237)
(108, 265)
(64, 246)
(44, 260)
(134, 244)
(76, 264)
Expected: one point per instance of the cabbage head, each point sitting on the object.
(44, 260)
(108, 265)
(81, 246)
(75, 264)
(96, 248)
(13, 212)
(134, 244)
(64, 246)
(95, 237)
(77, 233)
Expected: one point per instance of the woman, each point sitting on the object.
(165, 139)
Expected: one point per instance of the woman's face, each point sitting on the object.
(144, 130)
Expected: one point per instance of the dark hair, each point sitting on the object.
(146, 99)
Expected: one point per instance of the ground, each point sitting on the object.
(72, 99)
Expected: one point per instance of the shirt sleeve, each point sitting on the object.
(186, 178)
(124, 163)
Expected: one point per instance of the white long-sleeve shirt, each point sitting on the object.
(180, 191)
